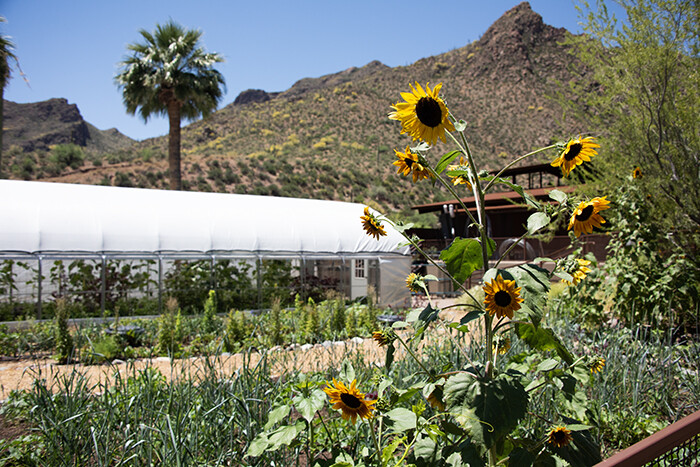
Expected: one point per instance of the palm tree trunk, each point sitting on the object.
(2, 121)
(174, 145)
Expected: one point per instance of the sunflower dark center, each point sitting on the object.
(585, 213)
(409, 162)
(573, 151)
(502, 298)
(429, 112)
(350, 400)
(559, 436)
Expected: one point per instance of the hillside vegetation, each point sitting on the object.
(330, 137)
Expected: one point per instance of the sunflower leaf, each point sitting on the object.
(284, 435)
(400, 419)
(446, 160)
(534, 282)
(489, 410)
(471, 316)
(258, 446)
(347, 372)
(308, 406)
(537, 221)
(389, 357)
(277, 415)
(558, 196)
(542, 339)
(464, 256)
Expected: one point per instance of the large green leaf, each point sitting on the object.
(534, 283)
(464, 256)
(399, 420)
(543, 339)
(489, 410)
(309, 405)
(277, 415)
(284, 435)
(536, 221)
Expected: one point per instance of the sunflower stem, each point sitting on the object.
(415, 357)
(370, 422)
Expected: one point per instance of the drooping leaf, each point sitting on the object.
(536, 221)
(347, 371)
(258, 445)
(542, 339)
(489, 410)
(389, 357)
(534, 283)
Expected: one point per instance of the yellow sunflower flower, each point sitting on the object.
(585, 217)
(384, 337)
(576, 152)
(637, 172)
(408, 162)
(502, 297)
(579, 273)
(414, 282)
(460, 179)
(597, 364)
(559, 436)
(501, 345)
(372, 225)
(349, 401)
(424, 115)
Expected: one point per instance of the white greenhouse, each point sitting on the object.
(57, 239)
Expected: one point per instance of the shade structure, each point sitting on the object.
(40, 217)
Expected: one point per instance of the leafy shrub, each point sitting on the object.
(64, 341)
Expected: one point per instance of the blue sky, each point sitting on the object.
(70, 49)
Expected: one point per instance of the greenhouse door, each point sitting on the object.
(358, 281)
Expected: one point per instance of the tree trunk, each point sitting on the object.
(2, 122)
(174, 145)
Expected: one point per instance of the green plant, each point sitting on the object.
(209, 323)
(64, 341)
(170, 333)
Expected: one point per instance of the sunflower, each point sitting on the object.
(597, 364)
(460, 179)
(575, 153)
(384, 337)
(372, 225)
(637, 172)
(502, 297)
(424, 115)
(435, 399)
(559, 436)
(415, 283)
(350, 401)
(501, 345)
(409, 162)
(579, 273)
(586, 216)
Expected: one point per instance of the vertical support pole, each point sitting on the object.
(160, 284)
(38, 301)
(212, 277)
(302, 277)
(103, 286)
(258, 267)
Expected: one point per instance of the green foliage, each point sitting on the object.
(209, 320)
(646, 94)
(646, 278)
(237, 330)
(170, 334)
(67, 155)
(64, 341)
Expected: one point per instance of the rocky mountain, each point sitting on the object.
(329, 137)
(40, 125)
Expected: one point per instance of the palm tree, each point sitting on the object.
(6, 55)
(170, 74)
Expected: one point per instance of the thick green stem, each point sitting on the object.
(376, 442)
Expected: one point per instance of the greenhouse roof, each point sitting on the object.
(58, 218)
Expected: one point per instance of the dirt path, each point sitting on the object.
(20, 375)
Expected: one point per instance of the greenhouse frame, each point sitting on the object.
(113, 230)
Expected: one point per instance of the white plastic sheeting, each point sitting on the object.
(38, 217)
